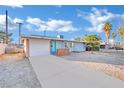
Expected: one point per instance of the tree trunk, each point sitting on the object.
(107, 40)
(107, 37)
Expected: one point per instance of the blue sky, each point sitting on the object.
(70, 21)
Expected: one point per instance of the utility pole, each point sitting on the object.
(6, 27)
(45, 31)
(19, 24)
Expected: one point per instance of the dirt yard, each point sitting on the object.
(16, 71)
(110, 63)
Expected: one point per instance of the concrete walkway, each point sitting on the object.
(54, 72)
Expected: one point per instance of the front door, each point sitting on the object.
(53, 47)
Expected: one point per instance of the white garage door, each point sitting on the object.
(39, 47)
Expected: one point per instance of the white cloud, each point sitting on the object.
(98, 17)
(18, 20)
(34, 21)
(3, 21)
(14, 6)
(52, 25)
(58, 6)
(11, 22)
(60, 25)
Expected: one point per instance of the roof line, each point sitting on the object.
(48, 38)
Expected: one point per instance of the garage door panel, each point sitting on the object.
(39, 47)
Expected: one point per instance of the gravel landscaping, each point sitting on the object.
(17, 72)
(110, 63)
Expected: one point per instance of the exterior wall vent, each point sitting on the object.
(60, 36)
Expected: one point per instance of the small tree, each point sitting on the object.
(3, 37)
(93, 41)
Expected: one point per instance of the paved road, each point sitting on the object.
(54, 72)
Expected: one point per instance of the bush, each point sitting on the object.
(95, 48)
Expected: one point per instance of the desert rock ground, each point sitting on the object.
(111, 63)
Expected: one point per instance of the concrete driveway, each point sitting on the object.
(55, 72)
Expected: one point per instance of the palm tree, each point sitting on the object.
(107, 28)
(121, 32)
(113, 35)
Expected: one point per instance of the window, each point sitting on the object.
(71, 44)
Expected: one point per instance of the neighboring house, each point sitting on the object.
(112, 45)
(40, 45)
(102, 45)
